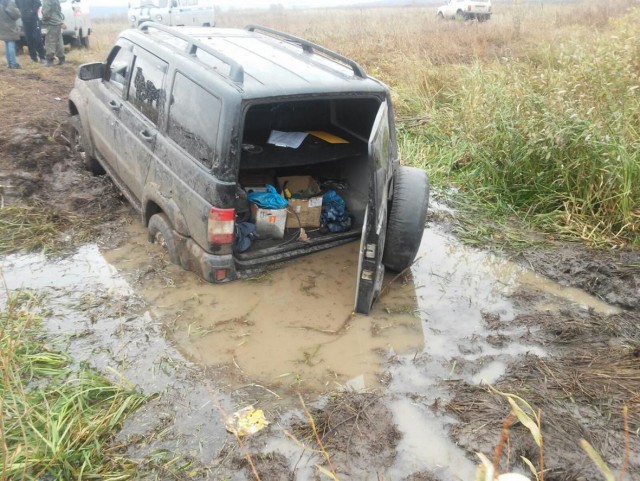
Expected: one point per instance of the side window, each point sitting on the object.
(146, 91)
(193, 119)
(119, 68)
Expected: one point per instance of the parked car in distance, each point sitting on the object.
(77, 18)
(466, 10)
(183, 120)
(199, 13)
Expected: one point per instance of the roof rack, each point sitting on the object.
(236, 71)
(309, 47)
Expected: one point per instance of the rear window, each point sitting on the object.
(194, 115)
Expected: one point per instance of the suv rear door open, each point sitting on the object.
(370, 267)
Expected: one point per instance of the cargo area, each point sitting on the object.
(305, 149)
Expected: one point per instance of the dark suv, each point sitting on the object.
(181, 120)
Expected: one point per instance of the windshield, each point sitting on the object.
(149, 3)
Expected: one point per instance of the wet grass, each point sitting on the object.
(30, 228)
(57, 422)
(36, 227)
(550, 139)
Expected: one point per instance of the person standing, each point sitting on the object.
(53, 20)
(9, 30)
(31, 28)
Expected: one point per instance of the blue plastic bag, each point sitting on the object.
(335, 217)
(268, 200)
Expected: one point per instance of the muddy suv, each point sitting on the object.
(183, 118)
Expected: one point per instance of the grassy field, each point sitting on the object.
(533, 116)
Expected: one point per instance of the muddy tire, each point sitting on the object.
(79, 147)
(85, 42)
(407, 216)
(161, 233)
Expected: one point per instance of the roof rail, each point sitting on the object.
(236, 71)
(309, 47)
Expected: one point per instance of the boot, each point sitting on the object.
(48, 62)
(61, 60)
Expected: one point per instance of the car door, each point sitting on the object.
(104, 110)
(370, 267)
(135, 134)
(175, 13)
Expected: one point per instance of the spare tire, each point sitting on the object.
(406, 218)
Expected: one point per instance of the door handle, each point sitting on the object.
(114, 105)
(147, 136)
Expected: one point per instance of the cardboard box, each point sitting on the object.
(309, 209)
(270, 223)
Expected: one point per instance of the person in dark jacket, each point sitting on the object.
(53, 21)
(31, 27)
(9, 30)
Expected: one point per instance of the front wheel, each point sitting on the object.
(407, 216)
(79, 147)
(161, 233)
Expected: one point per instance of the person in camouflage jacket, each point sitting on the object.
(53, 21)
(9, 30)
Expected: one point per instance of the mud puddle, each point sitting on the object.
(294, 328)
(295, 324)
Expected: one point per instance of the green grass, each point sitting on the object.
(551, 138)
(56, 422)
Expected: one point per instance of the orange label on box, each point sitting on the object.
(272, 219)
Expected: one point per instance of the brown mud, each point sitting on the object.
(401, 394)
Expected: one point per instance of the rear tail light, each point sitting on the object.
(221, 226)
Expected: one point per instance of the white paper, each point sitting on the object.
(286, 139)
(315, 202)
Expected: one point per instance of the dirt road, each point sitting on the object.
(401, 394)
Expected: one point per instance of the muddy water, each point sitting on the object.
(295, 327)
(290, 326)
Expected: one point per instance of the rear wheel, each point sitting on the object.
(85, 42)
(161, 233)
(79, 147)
(407, 217)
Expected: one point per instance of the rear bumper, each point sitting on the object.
(211, 267)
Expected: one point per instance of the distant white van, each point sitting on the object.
(172, 12)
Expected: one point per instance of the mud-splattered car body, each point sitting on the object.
(180, 119)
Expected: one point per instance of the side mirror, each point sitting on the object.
(91, 71)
